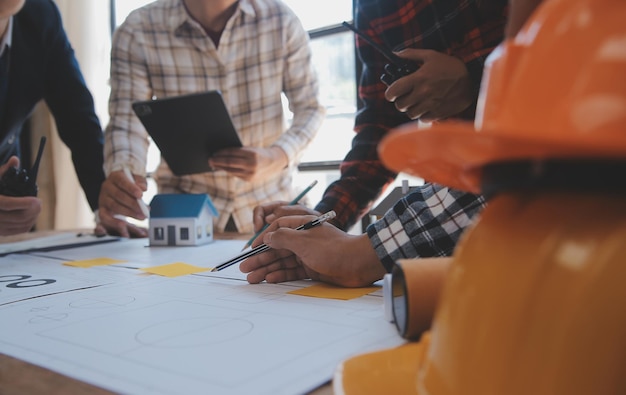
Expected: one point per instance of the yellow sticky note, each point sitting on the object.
(333, 292)
(175, 269)
(93, 262)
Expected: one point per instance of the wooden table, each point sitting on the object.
(19, 377)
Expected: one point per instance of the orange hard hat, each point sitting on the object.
(555, 91)
(534, 302)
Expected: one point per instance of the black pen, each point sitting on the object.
(264, 247)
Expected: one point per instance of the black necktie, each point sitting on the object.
(4, 81)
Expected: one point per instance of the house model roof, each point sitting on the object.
(178, 205)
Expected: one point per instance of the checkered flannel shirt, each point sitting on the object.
(426, 223)
(467, 29)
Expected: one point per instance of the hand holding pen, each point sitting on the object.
(292, 203)
(142, 205)
(325, 253)
(263, 247)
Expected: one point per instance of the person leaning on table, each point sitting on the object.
(37, 62)
(252, 51)
(426, 223)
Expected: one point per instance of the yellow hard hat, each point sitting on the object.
(558, 90)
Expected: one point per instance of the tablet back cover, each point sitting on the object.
(188, 129)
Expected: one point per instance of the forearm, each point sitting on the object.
(279, 161)
(126, 141)
(301, 88)
(304, 127)
(478, 45)
(426, 223)
(361, 261)
(72, 107)
(352, 196)
(125, 147)
(80, 129)
(308, 113)
(363, 176)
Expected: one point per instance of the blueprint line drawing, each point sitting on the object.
(135, 333)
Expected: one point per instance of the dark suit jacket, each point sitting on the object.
(42, 65)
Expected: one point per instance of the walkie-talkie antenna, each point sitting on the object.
(384, 51)
(399, 67)
(35, 169)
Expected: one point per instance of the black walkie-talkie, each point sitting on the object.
(399, 67)
(20, 182)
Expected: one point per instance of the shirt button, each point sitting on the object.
(11, 139)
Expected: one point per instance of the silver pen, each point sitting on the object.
(264, 247)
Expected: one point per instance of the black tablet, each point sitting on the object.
(188, 129)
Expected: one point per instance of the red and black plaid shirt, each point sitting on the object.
(467, 29)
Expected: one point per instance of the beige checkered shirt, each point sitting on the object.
(160, 51)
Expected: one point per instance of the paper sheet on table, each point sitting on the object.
(139, 254)
(158, 335)
(25, 277)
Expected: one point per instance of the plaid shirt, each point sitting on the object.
(160, 51)
(428, 222)
(467, 29)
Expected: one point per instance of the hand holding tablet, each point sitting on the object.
(188, 129)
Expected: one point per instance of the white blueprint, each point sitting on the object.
(197, 334)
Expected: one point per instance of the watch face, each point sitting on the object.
(399, 299)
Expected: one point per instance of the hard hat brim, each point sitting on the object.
(390, 371)
(453, 153)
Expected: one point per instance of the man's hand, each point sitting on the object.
(118, 197)
(269, 212)
(250, 163)
(323, 253)
(439, 89)
(17, 214)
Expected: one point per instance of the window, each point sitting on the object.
(158, 233)
(334, 60)
(184, 233)
(121, 9)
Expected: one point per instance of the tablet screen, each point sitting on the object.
(188, 129)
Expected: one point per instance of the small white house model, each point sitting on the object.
(181, 219)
